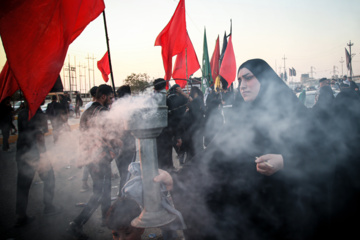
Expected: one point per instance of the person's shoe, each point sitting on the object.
(85, 187)
(22, 221)
(52, 210)
(76, 231)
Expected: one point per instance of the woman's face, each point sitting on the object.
(249, 85)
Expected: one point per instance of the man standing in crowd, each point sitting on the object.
(92, 93)
(53, 112)
(29, 157)
(97, 150)
(128, 152)
(85, 176)
(6, 112)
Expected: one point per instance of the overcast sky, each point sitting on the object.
(309, 33)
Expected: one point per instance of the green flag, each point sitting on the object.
(206, 79)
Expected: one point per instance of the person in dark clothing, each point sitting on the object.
(6, 124)
(353, 85)
(128, 152)
(30, 148)
(65, 104)
(214, 118)
(193, 124)
(78, 104)
(245, 184)
(55, 113)
(97, 150)
(346, 187)
(325, 98)
(171, 136)
(123, 91)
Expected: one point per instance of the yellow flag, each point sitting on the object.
(217, 86)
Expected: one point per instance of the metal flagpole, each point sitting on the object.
(107, 42)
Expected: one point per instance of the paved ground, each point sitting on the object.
(67, 194)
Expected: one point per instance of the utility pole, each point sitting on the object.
(334, 72)
(93, 69)
(312, 71)
(350, 62)
(82, 76)
(342, 67)
(69, 72)
(84, 67)
(89, 69)
(285, 77)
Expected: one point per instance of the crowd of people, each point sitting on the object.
(268, 168)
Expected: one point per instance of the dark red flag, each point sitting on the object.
(36, 35)
(8, 83)
(187, 57)
(104, 67)
(172, 38)
(215, 58)
(228, 65)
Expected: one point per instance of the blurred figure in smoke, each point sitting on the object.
(245, 185)
(98, 146)
(123, 91)
(6, 118)
(214, 118)
(30, 158)
(85, 177)
(78, 104)
(171, 136)
(193, 124)
(92, 93)
(54, 112)
(346, 191)
(128, 152)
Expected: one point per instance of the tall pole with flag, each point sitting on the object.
(108, 48)
(44, 47)
(215, 62)
(206, 69)
(228, 64)
(172, 39)
(186, 64)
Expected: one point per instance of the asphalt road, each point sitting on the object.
(67, 195)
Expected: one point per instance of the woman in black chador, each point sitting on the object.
(246, 184)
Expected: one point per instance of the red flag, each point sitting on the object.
(8, 83)
(187, 57)
(36, 35)
(104, 67)
(172, 38)
(214, 63)
(228, 65)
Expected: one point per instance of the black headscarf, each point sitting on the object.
(273, 89)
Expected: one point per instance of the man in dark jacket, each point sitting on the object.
(97, 151)
(171, 135)
(6, 112)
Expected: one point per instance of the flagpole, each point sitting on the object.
(108, 48)
(186, 67)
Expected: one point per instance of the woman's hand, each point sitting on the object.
(269, 164)
(165, 178)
